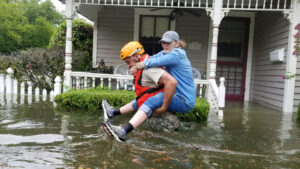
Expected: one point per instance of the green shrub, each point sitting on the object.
(82, 40)
(198, 114)
(91, 99)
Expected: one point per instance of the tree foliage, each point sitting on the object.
(82, 40)
(38, 65)
(45, 9)
(26, 24)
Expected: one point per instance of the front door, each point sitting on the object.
(232, 55)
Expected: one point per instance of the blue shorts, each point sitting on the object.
(178, 104)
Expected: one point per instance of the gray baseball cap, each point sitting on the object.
(170, 36)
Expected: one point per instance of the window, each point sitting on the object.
(151, 31)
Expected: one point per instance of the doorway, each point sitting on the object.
(232, 55)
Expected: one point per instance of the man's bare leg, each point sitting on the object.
(128, 108)
(139, 117)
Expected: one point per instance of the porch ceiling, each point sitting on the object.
(256, 5)
(90, 8)
(89, 11)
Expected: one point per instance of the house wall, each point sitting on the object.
(270, 33)
(194, 30)
(297, 87)
(115, 28)
(294, 30)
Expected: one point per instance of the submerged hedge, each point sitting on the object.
(91, 99)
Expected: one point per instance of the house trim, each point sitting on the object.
(95, 42)
(291, 62)
(209, 49)
(143, 11)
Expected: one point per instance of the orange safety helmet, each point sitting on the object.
(131, 48)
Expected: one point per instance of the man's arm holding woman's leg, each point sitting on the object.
(169, 83)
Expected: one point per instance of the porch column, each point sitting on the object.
(291, 61)
(95, 38)
(68, 49)
(216, 15)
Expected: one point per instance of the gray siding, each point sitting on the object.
(195, 29)
(270, 33)
(297, 86)
(115, 28)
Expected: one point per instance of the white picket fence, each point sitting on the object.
(9, 87)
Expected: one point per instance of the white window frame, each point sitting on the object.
(147, 11)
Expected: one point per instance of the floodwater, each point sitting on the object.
(35, 135)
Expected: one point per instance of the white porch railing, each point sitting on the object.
(151, 3)
(206, 4)
(83, 80)
(204, 88)
(257, 4)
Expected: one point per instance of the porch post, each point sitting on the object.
(95, 38)
(216, 18)
(68, 49)
(291, 61)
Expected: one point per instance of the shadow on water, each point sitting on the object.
(35, 135)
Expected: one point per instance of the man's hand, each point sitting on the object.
(133, 70)
(159, 111)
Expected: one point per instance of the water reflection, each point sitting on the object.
(2, 101)
(248, 136)
(25, 125)
(51, 97)
(9, 139)
(8, 100)
(29, 99)
(37, 98)
(44, 97)
(65, 131)
(245, 116)
(285, 136)
(22, 99)
(286, 126)
(15, 97)
(220, 115)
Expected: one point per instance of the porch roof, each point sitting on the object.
(260, 5)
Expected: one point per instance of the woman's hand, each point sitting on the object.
(133, 70)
